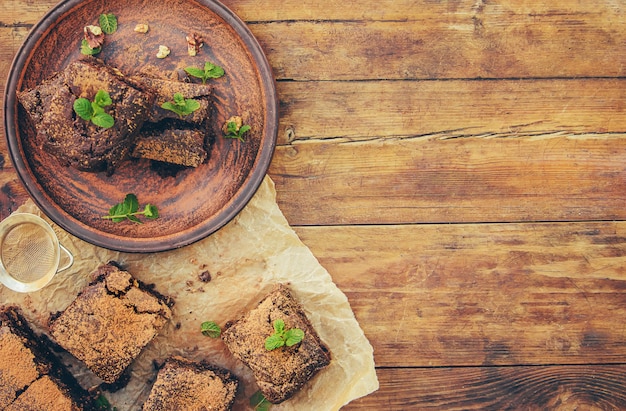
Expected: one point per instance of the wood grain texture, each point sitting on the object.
(17, 13)
(504, 108)
(461, 49)
(562, 388)
(444, 180)
(482, 294)
(425, 40)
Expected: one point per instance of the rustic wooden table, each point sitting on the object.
(459, 167)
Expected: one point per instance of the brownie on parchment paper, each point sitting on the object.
(281, 372)
(31, 377)
(110, 321)
(183, 384)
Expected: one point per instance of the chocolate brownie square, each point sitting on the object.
(183, 384)
(280, 372)
(31, 377)
(110, 322)
(74, 141)
(46, 393)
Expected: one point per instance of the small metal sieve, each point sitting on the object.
(30, 253)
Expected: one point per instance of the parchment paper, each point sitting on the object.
(245, 259)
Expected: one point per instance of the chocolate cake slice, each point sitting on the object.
(77, 142)
(164, 91)
(31, 377)
(183, 384)
(110, 322)
(281, 372)
(172, 144)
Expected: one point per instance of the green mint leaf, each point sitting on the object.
(195, 72)
(151, 212)
(102, 98)
(83, 109)
(279, 326)
(210, 329)
(92, 110)
(179, 100)
(103, 120)
(108, 23)
(134, 218)
(242, 131)
(96, 109)
(120, 209)
(181, 106)
(129, 209)
(259, 403)
(118, 213)
(191, 105)
(232, 128)
(212, 70)
(232, 131)
(293, 337)
(131, 202)
(172, 107)
(88, 51)
(273, 342)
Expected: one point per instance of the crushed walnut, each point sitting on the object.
(94, 36)
(141, 28)
(163, 52)
(194, 42)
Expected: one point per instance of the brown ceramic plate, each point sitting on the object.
(193, 203)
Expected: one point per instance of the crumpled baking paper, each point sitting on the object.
(244, 259)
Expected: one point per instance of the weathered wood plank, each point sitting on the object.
(441, 180)
(448, 40)
(370, 109)
(497, 388)
(551, 46)
(11, 191)
(482, 294)
(17, 12)
(23, 13)
(10, 41)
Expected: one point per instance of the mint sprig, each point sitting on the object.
(181, 105)
(94, 110)
(129, 210)
(283, 337)
(108, 23)
(235, 131)
(210, 71)
(210, 329)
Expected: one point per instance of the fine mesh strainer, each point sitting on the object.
(30, 253)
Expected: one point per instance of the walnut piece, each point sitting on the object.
(194, 42)
(141, 28)
(94, 36)
(163, 52)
